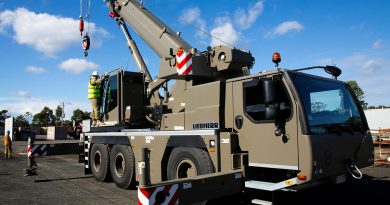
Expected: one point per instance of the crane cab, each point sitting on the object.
(123, 97)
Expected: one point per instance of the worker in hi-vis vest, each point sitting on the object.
(7, 145)
(94, 93)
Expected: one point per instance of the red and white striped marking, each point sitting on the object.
(29, 151)
(37, 150)
(148, 196)
(183, 62)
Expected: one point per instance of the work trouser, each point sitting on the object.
(95, 114)
(7, 151)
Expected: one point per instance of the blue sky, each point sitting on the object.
(42, 63)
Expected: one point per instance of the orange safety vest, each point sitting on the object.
(7, 140)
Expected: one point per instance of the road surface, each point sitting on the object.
(61, 180)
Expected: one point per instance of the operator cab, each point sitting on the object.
(123, 97)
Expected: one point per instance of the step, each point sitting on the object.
(261, 202)
(269, 186)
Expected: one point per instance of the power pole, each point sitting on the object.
(62, 114)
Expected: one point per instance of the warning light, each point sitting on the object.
(276, 58)
(301, 176)
(180, 50)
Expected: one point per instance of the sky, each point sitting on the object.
(42, 62)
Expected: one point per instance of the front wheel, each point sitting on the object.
(189, 162)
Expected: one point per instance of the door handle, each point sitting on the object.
(239, 120)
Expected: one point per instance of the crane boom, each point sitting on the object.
(150, 28)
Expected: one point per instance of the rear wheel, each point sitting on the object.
(99, 159)
(188, 162)
(122, 165)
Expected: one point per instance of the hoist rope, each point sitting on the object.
(88, 14)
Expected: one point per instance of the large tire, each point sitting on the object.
(187, 162)
(99, 162)
(122, 165)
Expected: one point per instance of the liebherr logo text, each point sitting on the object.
(209, 125)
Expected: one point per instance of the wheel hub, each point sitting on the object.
(97, 161)
(119, 164)
(186, 168)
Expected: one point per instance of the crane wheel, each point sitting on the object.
(187, 162)
(122, 165)
(99, 160)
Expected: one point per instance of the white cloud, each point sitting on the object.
(35, 70)
(225, 31)
(48, 34)
(190, 15)
(6, 19)
(77, 65)
(284, 28)
(365, 64)
(377, 44)
(193, 16)
(371, 66)
(21, 94)
(245, 19)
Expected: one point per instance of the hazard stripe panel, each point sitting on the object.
(184, 63)
(148, 196)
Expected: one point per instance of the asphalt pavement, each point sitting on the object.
(61, 180)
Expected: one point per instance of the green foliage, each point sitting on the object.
(44, 118)
(3, 116)
(79, 115)
(58, 115)
(21, 121)
(358, 92)
(67, 123)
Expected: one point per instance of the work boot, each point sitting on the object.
(99, 122)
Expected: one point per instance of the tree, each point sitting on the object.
(3, 116)
(67, 123)
(28, 116)
(58, 114)
(21, 121)
(79, 115)
(44, 118)
(358, 92)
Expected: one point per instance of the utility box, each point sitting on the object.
(56, 133)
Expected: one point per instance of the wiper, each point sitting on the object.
(331, 128)
(347, 127)
(357, 127)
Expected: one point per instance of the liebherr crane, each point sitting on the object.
(220, 130)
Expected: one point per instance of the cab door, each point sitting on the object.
(267, 128)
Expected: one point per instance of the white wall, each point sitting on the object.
(378, 118)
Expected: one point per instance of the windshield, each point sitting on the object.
(328, 104)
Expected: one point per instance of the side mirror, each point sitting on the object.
(270, 113)
(269, 91)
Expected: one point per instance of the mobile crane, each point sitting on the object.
(219, 130)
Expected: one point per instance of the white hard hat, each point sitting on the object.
(95, 73)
